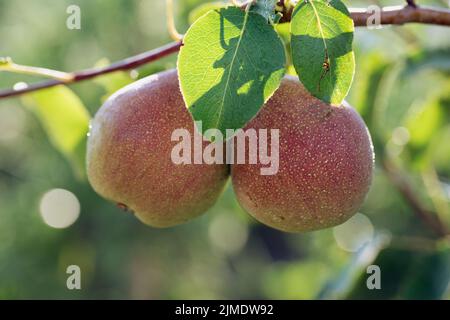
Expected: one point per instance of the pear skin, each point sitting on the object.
(129, 155)
(325, 163)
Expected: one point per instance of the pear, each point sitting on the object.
(325, 163)
(129, 155)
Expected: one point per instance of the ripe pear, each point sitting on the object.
(129, 154)
(325, 163)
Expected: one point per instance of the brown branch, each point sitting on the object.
(393, 15)
(397, 15)
(402, 15)
(403, 185)
(126, 64)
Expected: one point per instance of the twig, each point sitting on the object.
(126, 64)
(174, 34)
(391, 15)
(404, 186)
(414, 243)
(6, 64)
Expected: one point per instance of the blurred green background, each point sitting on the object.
(401, 88)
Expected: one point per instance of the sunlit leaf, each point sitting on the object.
(410, 83)
(321, 44)
(295, 280)
(65, 120)
(423, 121)
(231, 63)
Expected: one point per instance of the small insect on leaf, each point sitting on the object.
(321, 44)
(325, 70)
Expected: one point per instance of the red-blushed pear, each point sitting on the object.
(325, 163)
(129, 154)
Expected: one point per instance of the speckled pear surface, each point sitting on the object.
(325, 163)
(129, 154)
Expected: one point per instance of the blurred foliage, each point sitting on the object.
(401, 89)
(66, 127)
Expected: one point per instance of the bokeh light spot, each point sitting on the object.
(59, 208)
(355, 233)
(20, 86)
(228, 234)
(400, 136)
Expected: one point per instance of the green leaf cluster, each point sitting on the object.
(233, 59)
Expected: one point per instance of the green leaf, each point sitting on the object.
(426, 123)
(423, 120)
(282, 281)
(438, 152)
(408, 273)
(417, 75)
(229, 66)
(321, 42)
(338, 287)
(65, 120)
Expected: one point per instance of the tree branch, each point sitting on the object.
(126, 64)
(396, 15)
(401, 15)
(390, 15)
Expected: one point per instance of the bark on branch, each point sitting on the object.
(401, 15)
(126, 64)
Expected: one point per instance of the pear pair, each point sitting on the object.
(325, 159)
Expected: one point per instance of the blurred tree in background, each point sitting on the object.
(401, 89)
